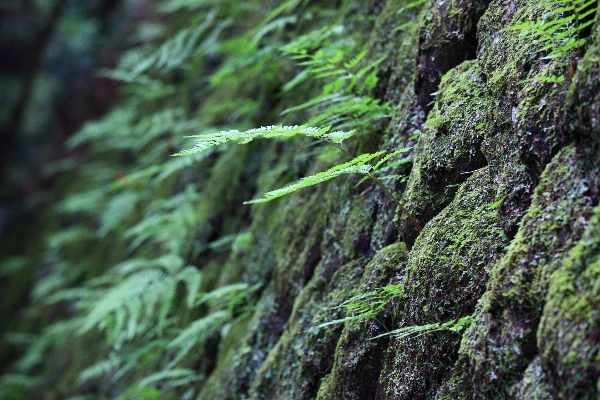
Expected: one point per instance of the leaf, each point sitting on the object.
(390, 155)
(174, 377)
(496, 204)
(546, 79)
(419, 330)
(99, 369)
(433, 122)
(355, 166)
(204, 142)
(198, 329)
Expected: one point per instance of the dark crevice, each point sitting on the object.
(444, 43)
(369, 371)
(443, 185)
(314, 373)
(211, 353)
(313, 256)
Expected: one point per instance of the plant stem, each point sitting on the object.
(400, 206)
(385, 189)
(339, 148)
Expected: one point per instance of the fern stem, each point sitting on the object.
(400, 206)
(339, 148)
(385, 189)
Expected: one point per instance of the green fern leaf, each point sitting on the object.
(196, 333)
(204, 142)
(99, 369)
(170, 378)
(390, 155)
(356, 166)
(419, 330)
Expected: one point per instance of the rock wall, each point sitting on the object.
(505, 182)
(527, 270)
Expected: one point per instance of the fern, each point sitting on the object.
(204, 142)
(171, 378)
(131, 361)
(123, 187)
(558, 31)
(117, 210)
(196, 332)
(345, 101)
(366, 305)
(371, 304)
(13, 265)
(172, 54)
(99, 369)
(356, 166)
(38, 345)
(142, 299)
(167, 222)
(455, 325)
(15, 386)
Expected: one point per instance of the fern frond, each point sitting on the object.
(118, 208)
(170, 263)
(171, 378)
(356, 166)
(558, 30)
(131, 362)
(455, 325)
(50, 283)
(174, 52)
(167, 222)
(37, 350)
(177, 164)
(196, 332)
(277, 24)
(390, 155)
(86, 202)
(222, 294)
(117, 122)
(365, 305)
(99, 369)
(13, 265)
(139, 296)
(70, 294)
(15, 386)
(192, 278)
(343, 110)
(204, 142)
(118, 298)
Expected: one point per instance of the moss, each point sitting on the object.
(500, 348)
(569, 366)
(474, 143)
(294, 367)
(449, 148)
(447, 37)
(395, 39)
(501, 340)
(582, 119)
(358, 359)
(446, 273)
(297, 252)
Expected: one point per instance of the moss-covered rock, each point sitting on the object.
(503, 173)
(358, 356)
